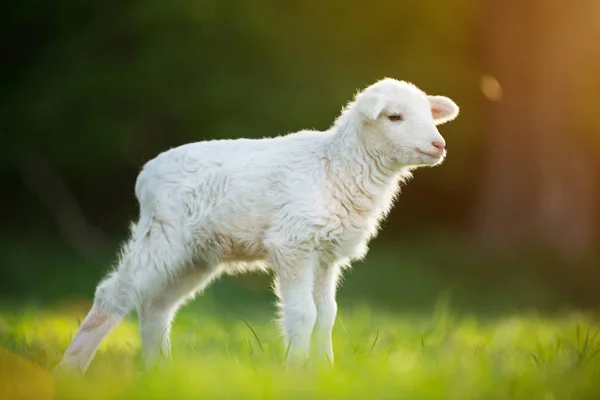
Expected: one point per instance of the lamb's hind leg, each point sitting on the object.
(157, 311)
(149, 259)
(112, 302)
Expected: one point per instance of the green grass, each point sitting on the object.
(431, 355)
(497, 331)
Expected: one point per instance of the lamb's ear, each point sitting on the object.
(443, 109)
(370, 106)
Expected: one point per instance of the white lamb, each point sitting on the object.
(305, 204)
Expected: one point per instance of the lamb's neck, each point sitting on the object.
(366, 181)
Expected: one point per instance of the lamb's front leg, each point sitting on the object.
(294, 284)
(326, 279)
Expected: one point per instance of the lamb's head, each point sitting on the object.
(399, 121)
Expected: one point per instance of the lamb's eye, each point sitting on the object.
(395, 117)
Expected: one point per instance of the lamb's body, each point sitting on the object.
(233, 199)
(305, 204)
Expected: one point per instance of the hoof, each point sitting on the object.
(67, 370)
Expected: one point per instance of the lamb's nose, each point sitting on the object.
(438, 144)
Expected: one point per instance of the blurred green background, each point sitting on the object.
(92, 90)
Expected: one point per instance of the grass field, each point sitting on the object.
(419, 331)
(378, 355)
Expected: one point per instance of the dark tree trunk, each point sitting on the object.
(540, 183)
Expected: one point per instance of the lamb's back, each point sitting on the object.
(244, 171)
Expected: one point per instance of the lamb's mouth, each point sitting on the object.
(432, 155)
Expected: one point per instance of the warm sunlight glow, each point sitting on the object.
(491, 88)
(21, 378)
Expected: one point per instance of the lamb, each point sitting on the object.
(305, 205)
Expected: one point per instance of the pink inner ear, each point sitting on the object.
(442, 108)
(439, 112)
